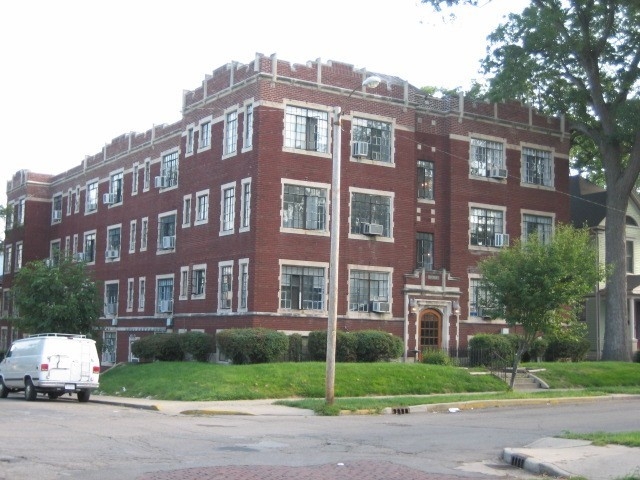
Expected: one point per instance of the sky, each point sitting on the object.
(78, 73)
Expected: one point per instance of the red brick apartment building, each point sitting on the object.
(222, 219)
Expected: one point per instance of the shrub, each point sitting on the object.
(346, 347)
(486, 349)
(636, 357)
(537, 349)
(435, 356)
(567, 347)
(252, 345)
(163, 347)
(197, 345)
(317, 345)
(294, 353)
(375, 346)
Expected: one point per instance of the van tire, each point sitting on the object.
(30, 393)
(4, 391)
(83, 395)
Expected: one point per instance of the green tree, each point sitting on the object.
(541, 286)
(56, 298)
(581, 58)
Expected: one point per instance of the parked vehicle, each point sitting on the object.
(52, 364)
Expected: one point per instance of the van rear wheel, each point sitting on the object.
(30, 393)
(4, 391)
(83, 395)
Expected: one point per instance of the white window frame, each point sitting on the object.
(327, 206)
(247, 126)
(292, 139)
(484, 206)
(524, 181)
(109, 229)
(133, 231)
(221, 267)
(114, 177)
(245, 205)
(86, 234)
(160, 234)
(184, 283)
(382, 193)
(227, 213)
(146, 185)
(142, 286)
(135, 177)
(76, 200)
(169, 276)
(357, 117)
(204, 133)
(19, 253)
(481, 173)
(190, 137)
(107, 284)
(201, 267)
(144, 234)
(69, 201)
(372, 269)
(57, 211)
(186, 210)
(243, 285)
(202, 217)
(230, 136)
(325, 284)
(540, 214)
(130, 293)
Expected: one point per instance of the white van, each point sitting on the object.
(51, 363)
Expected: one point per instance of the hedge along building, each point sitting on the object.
(222, 219)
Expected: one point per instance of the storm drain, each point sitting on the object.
(518, 461)
(400, 410)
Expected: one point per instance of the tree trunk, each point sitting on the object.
(617, 343)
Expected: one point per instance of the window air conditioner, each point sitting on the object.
(109, 254)
(57, 215)
(109, 198)
(380, 307)
(498, 173)
(169, 242)
(166, 306)
(360, 149)
(112, 308)
(371, 229)
(160, 182)
(501, 240)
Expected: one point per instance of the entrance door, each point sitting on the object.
(430, 330)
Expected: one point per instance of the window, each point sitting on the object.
(67, 245)
(134, 179)
(226, 287)
(425, 180)
(76, 200)
(19, 255)
(56, 213)
(424, 249)
(189, 141)
(90, 247)
(75, 244)
(202, 207)
(479, 299)
(144, 234)
(147, 175)
(109, 347)
(54, 252)
(485, 224)
(367, 287)
(231, 133)
(485, 155)
(248, 126)
(245, 211)
(629, 256)
(369, 210)
(9, 217)
(227, 210)
(8, 256)
(91, 203)
(169, 171)
(304, 207)
(537, 225)
(130, 294)
(537, 166)
(113, 243)
(20, 210)
(115, 188)
(306, 129)
(167, 232)
(302, 287)
(111, 299)
(186, 211)
(198, 280)
(165, 295)
(204, 140)
(377, 135)
(142, 286)
(133, 227)
(243, 284)
(69, 201)
(184, 283)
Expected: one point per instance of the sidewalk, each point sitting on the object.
(554, 457)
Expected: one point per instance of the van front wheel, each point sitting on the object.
(83, 395)
(4, 391)
(30, 393)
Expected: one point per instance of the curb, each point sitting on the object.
(533, 465)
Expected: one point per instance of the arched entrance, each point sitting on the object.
(430, 329)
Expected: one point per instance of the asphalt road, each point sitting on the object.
(65, 439)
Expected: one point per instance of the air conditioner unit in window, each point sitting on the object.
(360, 149)
(57, 215)
(169, 242)
(165, 306)
(160, 182)
(110, 254)
(371, 229)
(380, 307)
(501, 240)
(109, 198)
(498, 173)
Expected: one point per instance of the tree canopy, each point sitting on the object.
(56, 298)
(580, 58)
(541, 286)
